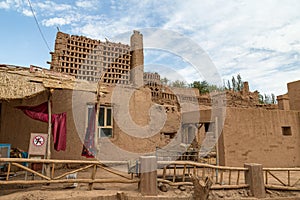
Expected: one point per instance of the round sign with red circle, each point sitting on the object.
(38, 140)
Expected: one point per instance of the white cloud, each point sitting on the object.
(55, 21)
(12, 4)
(27, 13)
(51, 6)
(258, 39)
(280, 40)
(86, 4)
(253, 39)
(4, 5)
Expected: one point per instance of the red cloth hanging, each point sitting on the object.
(88, 149)
(58, 121)
(59, 131)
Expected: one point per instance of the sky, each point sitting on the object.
(258, 39)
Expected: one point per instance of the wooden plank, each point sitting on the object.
(214, 187)
(71, 172)
(238, 177)
(296, 182)
(29, 182)
(282, 169)
(289, 178)
(221, 178)
(8, 171)
(174, 174)
(93, 175)
(52, 171)
(217, 134)
(174, 184)
(203, 173)
(48, 154)
(164, 172)
(212, 174)
(200, 165)
(280, 187)
(276, 178)
(184, 169)
(21, 160)
(30, 170)
(113, 172)
(221, 187)
(229, 178)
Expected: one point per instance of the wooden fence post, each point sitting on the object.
(255, 179)
(93, 177)
(148, 176)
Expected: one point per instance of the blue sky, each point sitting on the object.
(259, 39)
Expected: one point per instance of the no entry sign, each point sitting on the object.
(38, 144)
(38, 140)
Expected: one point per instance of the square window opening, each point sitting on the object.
(104, 123)
(286, 130)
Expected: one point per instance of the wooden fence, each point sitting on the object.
(174, 173)
(179, 173)
(55, 177)
(282, 178)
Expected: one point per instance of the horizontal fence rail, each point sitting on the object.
(282, 178)
(179, 173)
(174, 173)
(56, 177)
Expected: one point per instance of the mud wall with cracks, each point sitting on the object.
(268, 137)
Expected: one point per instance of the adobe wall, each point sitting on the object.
(128, 125)
(87, 58)
(283, 102)
(294, 95)
(137, 59)
(152, 79)
(255, 136)
(16, 126)
(75, 104)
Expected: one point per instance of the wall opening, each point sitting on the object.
(105, 122)
(286, 130)
(189, 134)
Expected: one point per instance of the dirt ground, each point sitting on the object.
(81, 192)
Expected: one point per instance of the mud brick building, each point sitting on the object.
(137, 114)
(93, 60)
(116, 65)
(267, 134)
